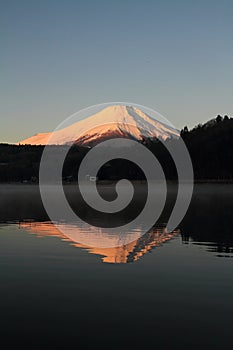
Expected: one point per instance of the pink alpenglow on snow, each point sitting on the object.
(111, 122)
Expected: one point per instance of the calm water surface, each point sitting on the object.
(163, 291)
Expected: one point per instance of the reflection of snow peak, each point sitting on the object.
(113, 121)
(122, 254)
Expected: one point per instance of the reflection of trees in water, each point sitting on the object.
(209, 220)
(221, 248)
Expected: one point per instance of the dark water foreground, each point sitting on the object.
(163, 290)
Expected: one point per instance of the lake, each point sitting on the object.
(162, 290)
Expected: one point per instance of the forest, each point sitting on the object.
(210, 146)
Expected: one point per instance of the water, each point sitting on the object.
(162, 291)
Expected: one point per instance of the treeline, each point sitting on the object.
(21, 163)
(210, 146)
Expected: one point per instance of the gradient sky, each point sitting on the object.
(60, 56)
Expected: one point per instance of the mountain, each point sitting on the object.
(210, 147)
(111, 122)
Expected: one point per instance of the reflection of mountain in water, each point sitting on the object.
(208, 222)
(123, 254)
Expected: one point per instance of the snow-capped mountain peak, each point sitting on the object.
(113, 121)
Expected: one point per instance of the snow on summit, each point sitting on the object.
(111, 122)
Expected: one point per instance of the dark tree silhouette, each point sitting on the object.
(210, 146)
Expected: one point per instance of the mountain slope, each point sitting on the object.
(111, 122)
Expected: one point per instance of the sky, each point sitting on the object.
(57, 57)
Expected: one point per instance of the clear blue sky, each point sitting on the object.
(60, 56)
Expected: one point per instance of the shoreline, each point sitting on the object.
(112, 182)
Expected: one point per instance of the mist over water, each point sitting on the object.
(65, 291)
